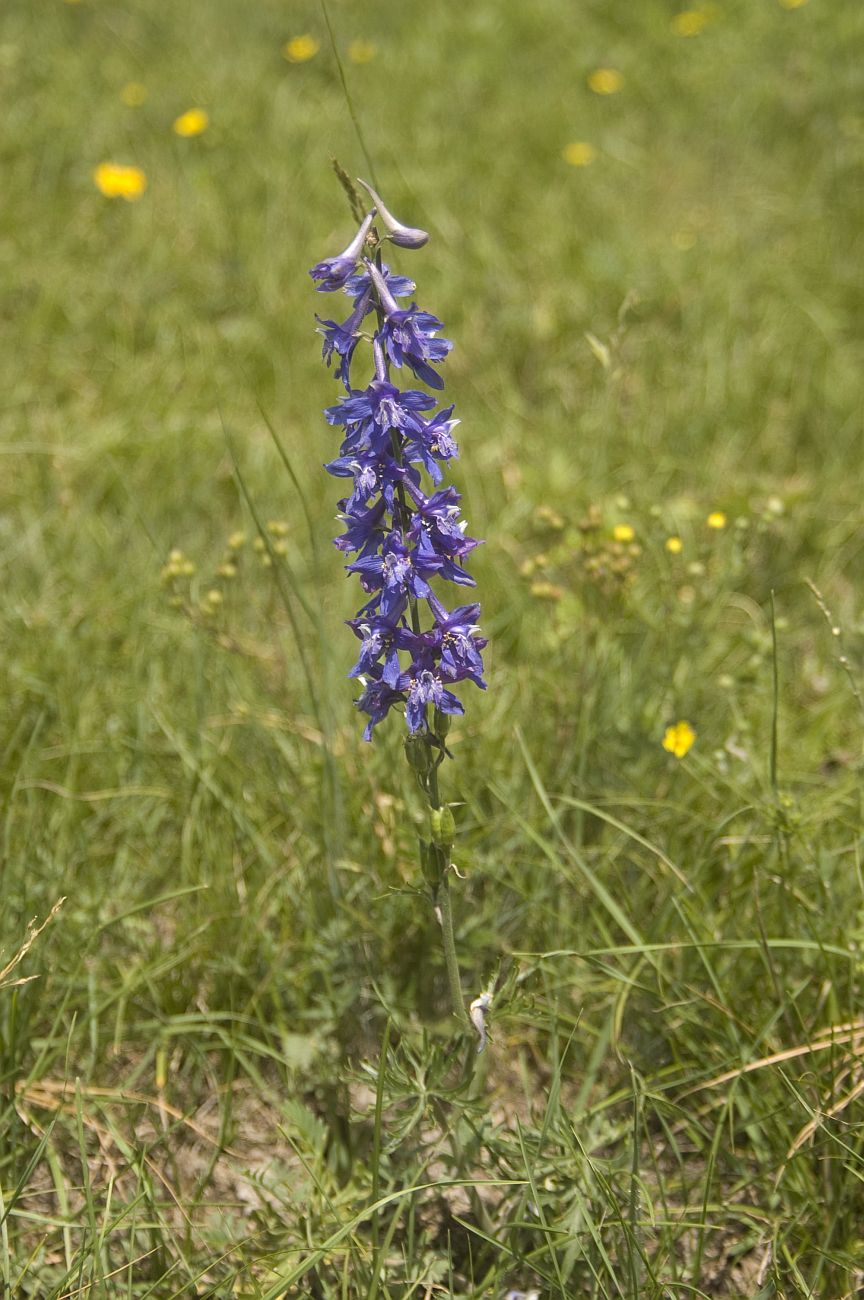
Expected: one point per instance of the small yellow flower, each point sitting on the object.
(192, 122)
(134, 94)
(119, 182)
(792, 4)
(674, 545)
(679, 739)
(277, 528)
(236, 540)
(623, 532)
(691, 22)
(546, 591)
(716, 519)
(605, 81)
(214, 597)
(579, 154)
(361, 51)
(300, 49)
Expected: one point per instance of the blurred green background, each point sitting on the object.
(647, 246)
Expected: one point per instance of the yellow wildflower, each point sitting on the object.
(691, 22)
(546, 591)
(678, 739)
(300, 49)
(192, 122)
(579, 154)
(361, 51)
(674, 545)
(133, 94)
(623, 532)
(716, 519)
(605, 81)
(792, 4)
(119, 182)
(236, 540)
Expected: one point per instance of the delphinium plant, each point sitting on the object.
(403, 528)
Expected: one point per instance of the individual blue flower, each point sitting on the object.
(432, 442)
(423, 686)
(369, 416)
(365, 529)
(397, 572)
(398, 285)
(408, 335)
(438, 517)
(343, 338)
(377, 700)
(453, 640)
(334, 272)
(381, 639)
(371, 473)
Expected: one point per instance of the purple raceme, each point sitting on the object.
(404, 539)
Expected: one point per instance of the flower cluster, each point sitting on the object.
(403, 537)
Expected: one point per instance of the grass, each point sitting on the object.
(231, 1070)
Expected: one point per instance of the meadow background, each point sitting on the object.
(234, 1040)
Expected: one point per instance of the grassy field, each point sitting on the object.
(227, 1066)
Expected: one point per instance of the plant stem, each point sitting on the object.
(445, 910)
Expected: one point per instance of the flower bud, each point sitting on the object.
(404, 236)
(418, 754)
(443, 826)
(432, 864)
(441, 724)
(355, 248)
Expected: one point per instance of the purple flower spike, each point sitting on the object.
(406, 533)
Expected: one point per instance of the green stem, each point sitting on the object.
(446, 913)
(445, 905)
